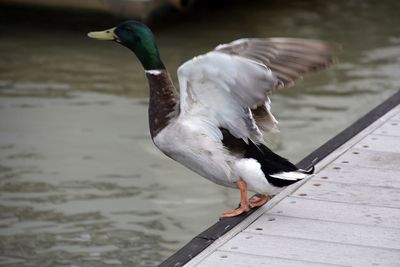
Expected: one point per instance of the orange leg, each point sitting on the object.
(258, 200)
(244, 203)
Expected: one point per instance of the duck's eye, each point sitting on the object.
(128, 29)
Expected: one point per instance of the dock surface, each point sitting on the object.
(347, 214)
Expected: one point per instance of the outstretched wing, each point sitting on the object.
(288, 58)
(229, 87)
(220, 89)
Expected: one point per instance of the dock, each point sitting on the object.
(347, 214)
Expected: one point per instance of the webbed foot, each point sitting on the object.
(236, 212)
(258, 200)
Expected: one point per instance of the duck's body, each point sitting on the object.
(190, 144)
(194, 139)
(214, 126)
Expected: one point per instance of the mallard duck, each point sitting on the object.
(215, 126)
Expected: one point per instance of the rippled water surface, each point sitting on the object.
(81, 184)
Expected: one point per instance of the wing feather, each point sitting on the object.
(288, 58)
(223, 88)
(229, 87)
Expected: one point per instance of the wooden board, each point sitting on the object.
(338, 212)
(237, 259)
(349, 193)
(345, 173)
(311, 250)
(380, 143)
(344, 233)
(370, 158)
(396, 117)
(391, 128)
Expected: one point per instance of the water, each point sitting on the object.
(81, 184)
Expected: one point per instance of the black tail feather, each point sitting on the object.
(271, 163)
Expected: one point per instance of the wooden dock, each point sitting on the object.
(347, 214)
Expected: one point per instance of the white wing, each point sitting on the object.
(229, 87)
(220, 89)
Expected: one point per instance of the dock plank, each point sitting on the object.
(349, 193)
(311, 250)
(345, 233)
(369, 158)
(343, 173)
(386, 143)
(391, 128)
(338, 212)
(396, 114)
(236, 259)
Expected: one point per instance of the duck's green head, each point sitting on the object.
(138, 38)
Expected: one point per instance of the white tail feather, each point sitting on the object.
(292, 176)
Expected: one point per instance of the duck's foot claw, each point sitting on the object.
(236, 212)
(258, 200)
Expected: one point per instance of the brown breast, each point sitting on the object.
(163, 104)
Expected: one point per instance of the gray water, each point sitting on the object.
(81, 184)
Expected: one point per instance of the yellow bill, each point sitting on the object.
(107, 35)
